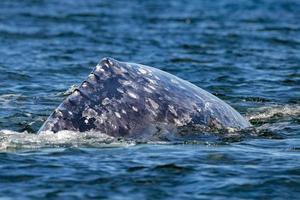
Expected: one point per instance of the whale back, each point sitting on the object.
(134, 100)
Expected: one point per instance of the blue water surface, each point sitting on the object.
(246, 52)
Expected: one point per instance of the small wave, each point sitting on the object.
(269, 113)
(68, 91)
(273, 121)
(5, 99)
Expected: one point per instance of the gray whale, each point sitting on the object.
(136, 101)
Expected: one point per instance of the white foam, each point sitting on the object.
(11, 140)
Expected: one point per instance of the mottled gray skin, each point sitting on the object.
(136, 101)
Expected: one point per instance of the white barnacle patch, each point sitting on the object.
(99, 68)
(105, 101)
(183, 121)
(151, 87)
(106, 65)
(153, 104)
(75, 94)
(134, 86)
(123, 70)
(142, 71)
(58, 113)
(135, 109)
(89, 113)
(101, 119)
(178, 122)
(118, 70)
(145, 67)
(120, 90)
(117, 115)
(207, 106)
(84, 85)
(199, 97)
(128, 65)
(114, 126)
(132, 95)
(147, 90)
(181, 87)
(125, 82)
(156, 77)
(174, 81)
(152, 81)
(172, 110)
(110, 62)
(92, 78)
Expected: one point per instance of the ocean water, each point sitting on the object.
(246, 52)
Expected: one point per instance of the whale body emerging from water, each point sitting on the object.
(136, 101)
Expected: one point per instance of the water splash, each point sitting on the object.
(11, 140)
(268, 123)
